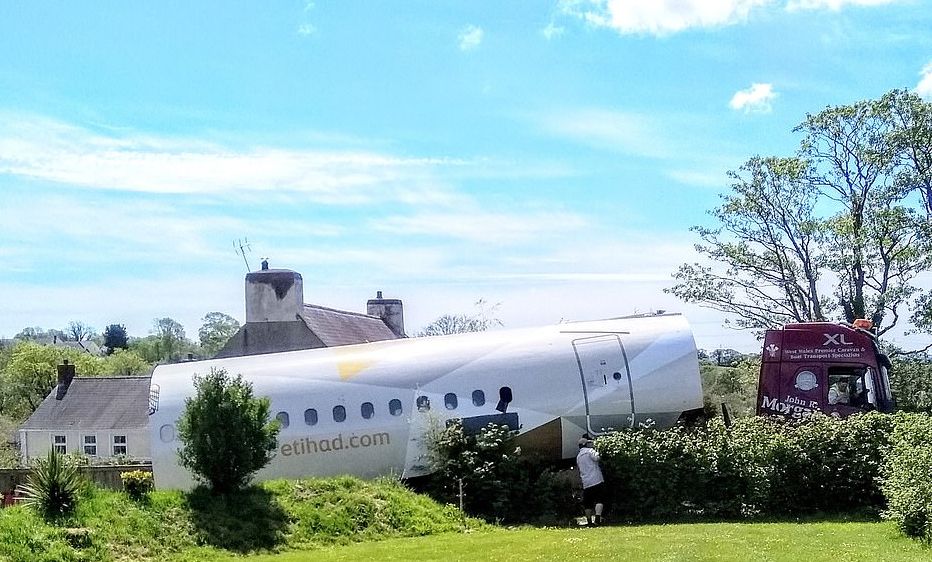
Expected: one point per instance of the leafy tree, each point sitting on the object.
(115, 338)
(125, 363)
(216, 330)
(148, 348)
(833, 232)
(33, 372)
(9, 455)
(29, 334)
(78, 331)
(463, 323)
(170, 338)
(911, 379)
(226, 433)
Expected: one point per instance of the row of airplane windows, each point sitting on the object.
(395, 408)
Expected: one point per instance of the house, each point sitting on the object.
(99, 417)
(278, 319)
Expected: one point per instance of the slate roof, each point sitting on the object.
(341, 327)
(95, 403)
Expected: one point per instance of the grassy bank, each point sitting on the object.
(814, 542)
(274, 516)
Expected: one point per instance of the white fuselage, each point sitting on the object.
(366, 409)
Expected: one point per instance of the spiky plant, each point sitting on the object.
(53, 486)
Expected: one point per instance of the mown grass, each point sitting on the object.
(790, 542)
(274, 516)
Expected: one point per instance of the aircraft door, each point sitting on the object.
(606, 380)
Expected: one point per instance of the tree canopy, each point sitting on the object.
(463, 323)
(226, 433)
(216, 330)
(839, 230)
(29, 371)
(115, 337)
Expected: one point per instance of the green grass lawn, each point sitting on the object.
(809, 542)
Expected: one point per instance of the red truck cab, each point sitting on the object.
(836, 369)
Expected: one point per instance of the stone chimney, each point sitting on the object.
(391, 311)
(274, 295)
(65, 376)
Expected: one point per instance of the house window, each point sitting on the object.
(394, 407)
(90, 445)
(367, 410)
(60, 444)
(119, 444)
(310, 416)
(284, 419)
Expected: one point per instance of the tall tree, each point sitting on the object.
(78, 331)
(115, 338)
(32, 373)
(216, 330)
(463, 323)
(830, 233)
(170, 337)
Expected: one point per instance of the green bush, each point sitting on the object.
(498, 482)
(137, 483)
(758, 466)
(53, 486)
(908, 476)
(226, 433)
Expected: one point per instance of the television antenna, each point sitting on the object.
(241, 247)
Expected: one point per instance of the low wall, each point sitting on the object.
(105, 476)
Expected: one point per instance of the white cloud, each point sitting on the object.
(306, 29)
(470, 37)
(663, 17)
(659, 17)
(835, 5)
(49, 150)
(486, 227)
(924, 87)
(618, 131)
(756, 99)
(552, 31)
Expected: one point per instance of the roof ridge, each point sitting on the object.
(349, 312)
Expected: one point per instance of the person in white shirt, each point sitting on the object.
(838, 392)
(592, 481)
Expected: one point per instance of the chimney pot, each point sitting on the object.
(378, 294)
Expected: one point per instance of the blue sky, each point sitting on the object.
(547, 156)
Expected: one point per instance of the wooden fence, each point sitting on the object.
(105, 476)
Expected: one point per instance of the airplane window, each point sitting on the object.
(367, 410)
(504, 398)
(423, 403)
(450, 401)
(167, 433)
(478, 398)
(394, 407)
(310, 416)
(339, 414)
(283, 417)
(616, 375)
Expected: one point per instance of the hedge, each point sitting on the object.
(757, 466)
